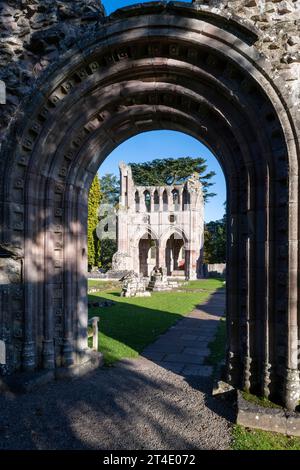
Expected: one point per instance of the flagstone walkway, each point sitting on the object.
(183, 349)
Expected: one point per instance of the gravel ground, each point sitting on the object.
(135, 405)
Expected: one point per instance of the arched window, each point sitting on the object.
(137, 201)
(175, 198)
(165, 200)
(156, 201)
(147, 201)
(153, 248)
(185, 199)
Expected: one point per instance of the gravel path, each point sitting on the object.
(138, 404)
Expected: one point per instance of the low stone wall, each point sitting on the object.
(215, 270)
(268, 419)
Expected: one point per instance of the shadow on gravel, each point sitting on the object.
(116, 408)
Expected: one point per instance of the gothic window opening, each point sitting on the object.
(147, 201)
(156, 201)
(185, 199)
(137, 201)
(165, 200)
(175, 198)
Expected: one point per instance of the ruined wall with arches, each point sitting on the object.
(155, 221)
(224, 72)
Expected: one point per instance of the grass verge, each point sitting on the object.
(104, 285)
(252, 439)
(131, 324)
(260, 401)
(217, 347)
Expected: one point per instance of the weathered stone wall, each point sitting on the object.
(160, 220)
(278, 23)
(216, 269)
(33, 34)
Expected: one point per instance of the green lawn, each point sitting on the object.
(205, 284)
(252, 439)
(104, 285)
(132, 323)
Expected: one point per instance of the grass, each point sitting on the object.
(261, 401)
(205, 284)
(104, 285)
(252, 439)
(133, 323)
(217, 346)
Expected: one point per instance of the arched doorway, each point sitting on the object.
(147, 255)
(181, 72)
(175, 256)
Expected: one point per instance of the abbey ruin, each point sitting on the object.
(74, 85)
(160, 226)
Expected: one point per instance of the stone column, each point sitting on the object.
(81, 304)
(69, 276)
(232, 299)
(31, 278)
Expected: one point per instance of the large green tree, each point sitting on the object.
(110, 189)
(110, 192)
(93, 207)
(172, 170)
(108, 249)
(215, 241)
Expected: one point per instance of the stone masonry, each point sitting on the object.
(160, 226)
(74, 84)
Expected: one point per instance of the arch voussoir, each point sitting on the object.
(137, 74)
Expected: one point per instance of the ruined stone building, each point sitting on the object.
(160, 226)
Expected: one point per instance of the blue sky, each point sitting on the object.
(112, 5)
(165, 144)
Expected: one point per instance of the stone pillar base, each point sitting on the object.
(90, 361)
(25, 382)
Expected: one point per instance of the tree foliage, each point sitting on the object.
(215, 241)
(110, 192)
(110, 189)
(172, 170)
(93, 207)
(108, 249)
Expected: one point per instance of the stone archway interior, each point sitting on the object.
(175, 256)
(180, 67)
(147, 255)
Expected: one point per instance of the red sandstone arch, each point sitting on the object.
(143, 72)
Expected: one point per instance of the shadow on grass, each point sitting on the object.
(131, 324)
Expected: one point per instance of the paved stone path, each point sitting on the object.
(138, 404)
(184, 348)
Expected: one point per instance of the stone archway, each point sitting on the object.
(153, 67)
(173, 249)
(147, 255)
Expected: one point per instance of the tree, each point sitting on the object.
(168, 171)
(93, 207)
(110, 189)
(215, 241)
(110, 192)
(108, 249)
